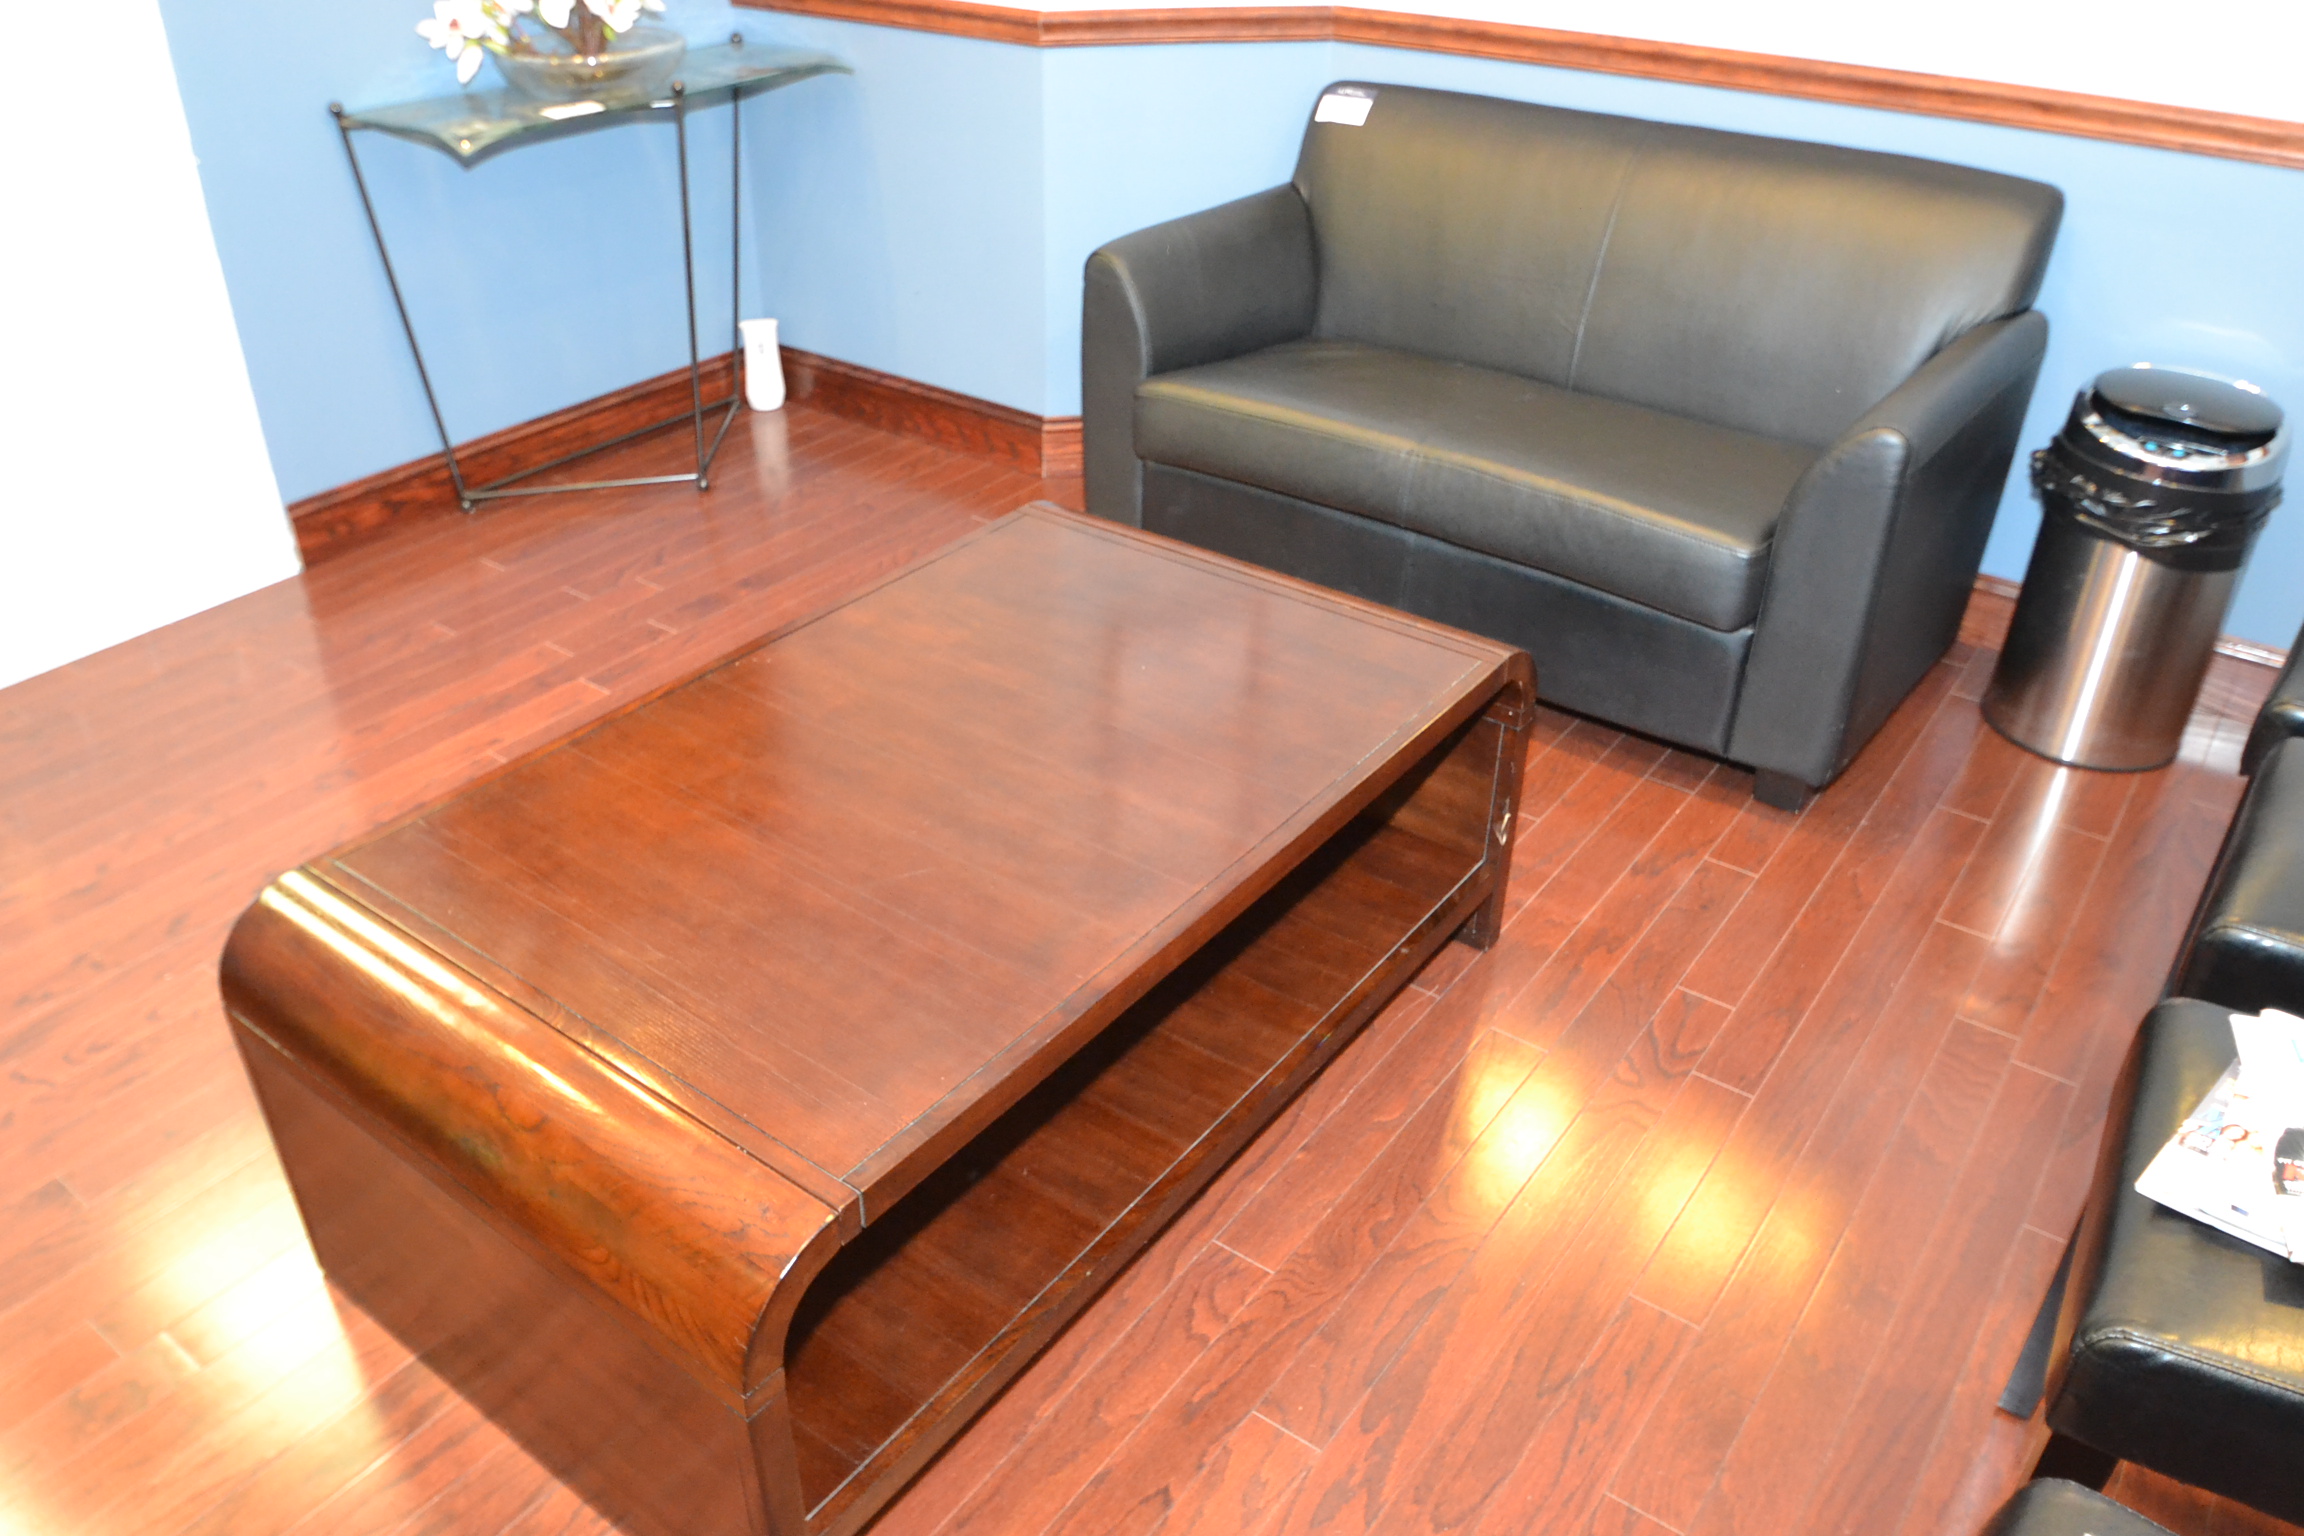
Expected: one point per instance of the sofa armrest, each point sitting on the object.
(1211, 285)
(1876, 553)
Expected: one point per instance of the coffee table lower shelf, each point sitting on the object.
(922, 1316)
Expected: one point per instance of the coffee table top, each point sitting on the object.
(848, 894)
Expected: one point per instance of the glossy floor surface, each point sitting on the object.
(1715, 1198)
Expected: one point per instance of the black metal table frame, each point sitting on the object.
(471, 496)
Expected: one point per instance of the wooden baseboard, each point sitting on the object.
(420, 491)
(2249, 651)
(1048, 446)
(2003, 592)
(1060, 450)
(1999, 586)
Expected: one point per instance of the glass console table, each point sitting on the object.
(472, 126)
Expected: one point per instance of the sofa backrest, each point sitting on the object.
(1763, 284)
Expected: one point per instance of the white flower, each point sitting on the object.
(461, 28)
(619, 14)
(555, 13)
(451, 23)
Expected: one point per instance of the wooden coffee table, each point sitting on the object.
(732, 1098)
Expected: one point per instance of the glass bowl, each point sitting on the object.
(638, 64)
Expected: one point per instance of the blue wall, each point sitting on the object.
(538, 279)
(1137, 135)
(903, 207)
(929, 217)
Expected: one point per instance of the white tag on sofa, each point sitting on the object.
(1347, 104)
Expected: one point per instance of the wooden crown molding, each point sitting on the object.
(2191, 130)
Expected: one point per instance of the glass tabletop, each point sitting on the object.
(470, 126)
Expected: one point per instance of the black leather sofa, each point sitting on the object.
(2178, 1347)
(1713, 425)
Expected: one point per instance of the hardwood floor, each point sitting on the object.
(1715, 1198)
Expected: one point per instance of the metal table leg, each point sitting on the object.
(470, 496)
(392, 280)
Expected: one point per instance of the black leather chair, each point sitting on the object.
(2050, 1507)
(2181, 1349)
(2283, 713)
(1713, 425)
(2246, 947)
(2176, 1346)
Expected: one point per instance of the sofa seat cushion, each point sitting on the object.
(1658, 510)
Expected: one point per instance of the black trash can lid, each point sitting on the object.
(2176, 410)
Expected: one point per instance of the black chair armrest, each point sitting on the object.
(2054, 1508)
(1211, 285)
(2246, 948)
(2283, 713)
(1876, 553)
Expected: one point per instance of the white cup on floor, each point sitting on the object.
(763, 365)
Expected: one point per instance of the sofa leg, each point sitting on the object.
(1780, 790)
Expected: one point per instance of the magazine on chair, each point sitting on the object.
(2237, 1161)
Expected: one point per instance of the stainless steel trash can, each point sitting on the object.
(2151, 497)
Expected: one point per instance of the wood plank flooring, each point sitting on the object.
(1714, 1199)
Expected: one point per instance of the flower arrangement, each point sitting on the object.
(463, 29)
